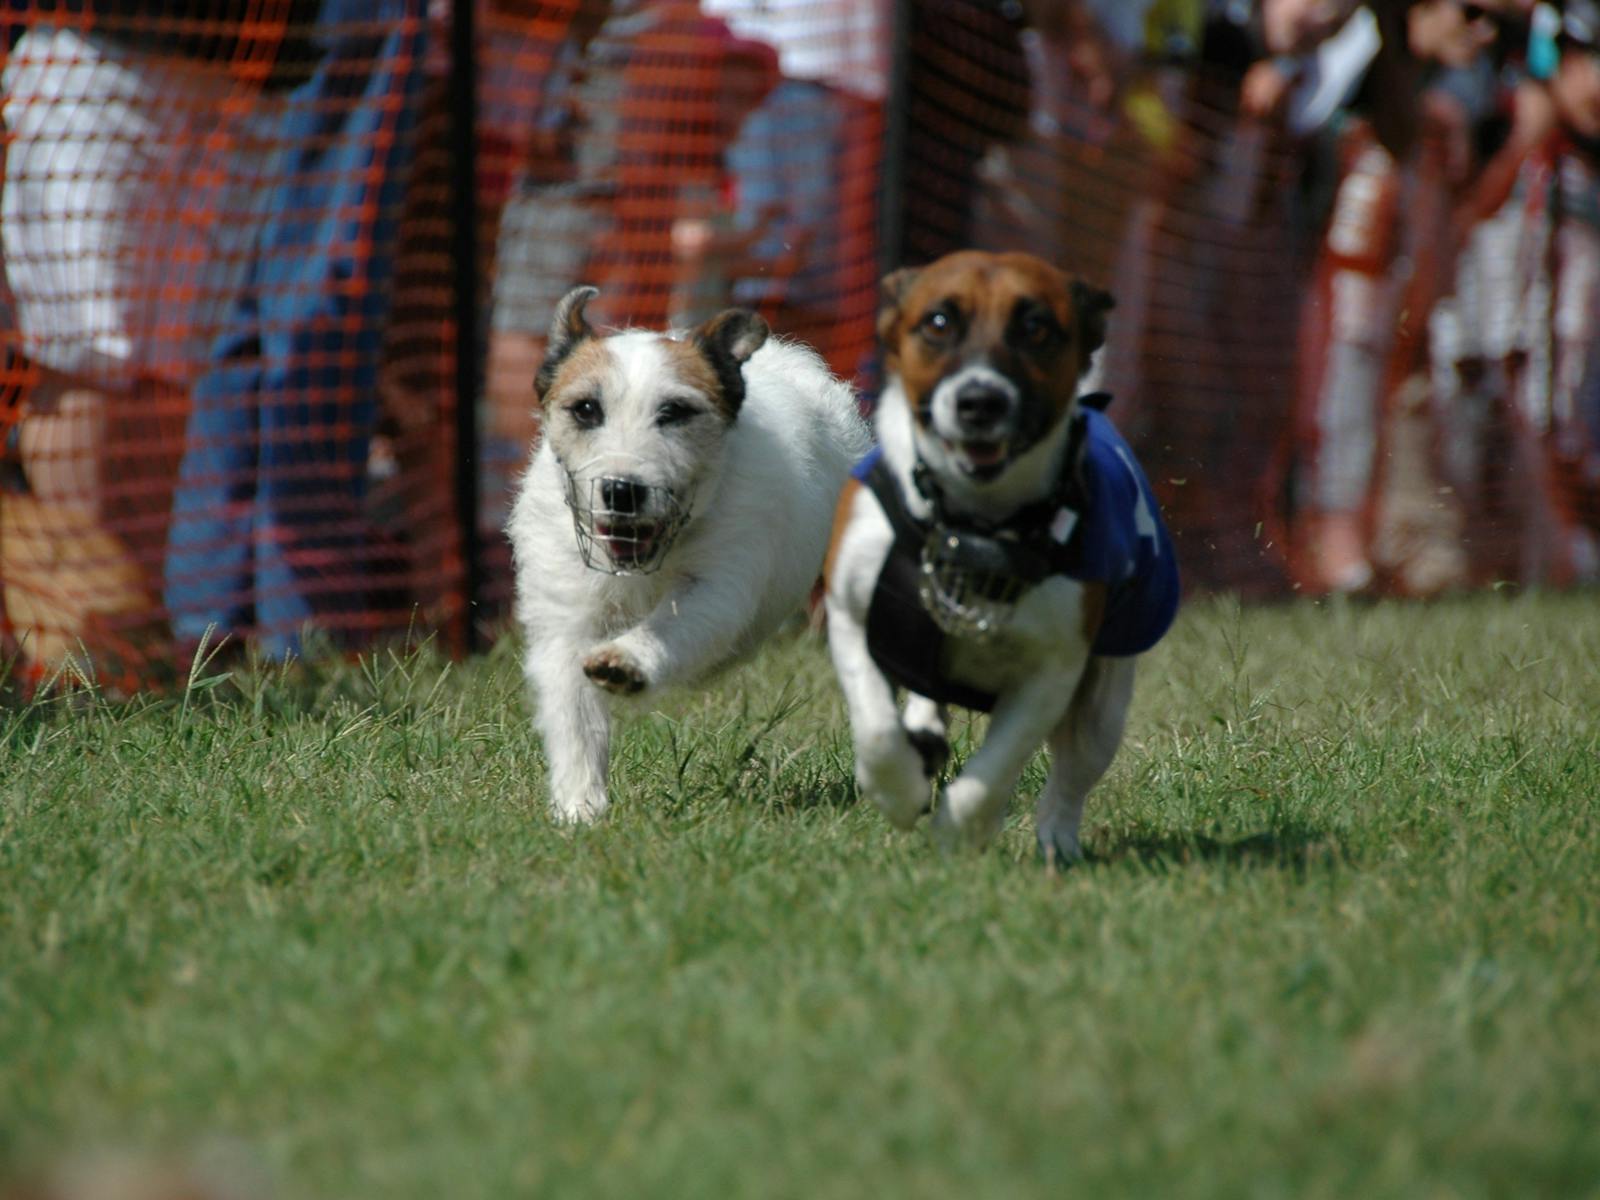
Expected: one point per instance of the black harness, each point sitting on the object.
(903, 639)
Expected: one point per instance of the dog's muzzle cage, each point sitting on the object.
(624, 527)
(968, 582)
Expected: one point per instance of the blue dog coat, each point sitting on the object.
(1119, 539)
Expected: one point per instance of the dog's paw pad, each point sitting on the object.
(933, 748)
(614, 671)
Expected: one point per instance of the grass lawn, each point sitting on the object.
(1339, 934)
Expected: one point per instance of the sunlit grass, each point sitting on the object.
(1336, 936)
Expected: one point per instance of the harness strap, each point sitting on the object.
(903, 640)
(901, 637)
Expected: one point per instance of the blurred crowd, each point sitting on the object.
(1355, 249)
(1352, 244)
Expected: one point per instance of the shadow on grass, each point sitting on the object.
(1297, 848)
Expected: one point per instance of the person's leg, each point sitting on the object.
(93, 140)
(326, 268)
(209, 567)
(1349, 391)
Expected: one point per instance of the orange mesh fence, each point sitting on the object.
(201, 206)
(228, 388)
(1343, 371)
(682, 158)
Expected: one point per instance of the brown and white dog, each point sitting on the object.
(1001, 550)
(674, 514)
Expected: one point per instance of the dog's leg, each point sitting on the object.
(974, 804)
(1081, 748)
(889, 770)
(924, 721)
(696, 627)
(574, 720)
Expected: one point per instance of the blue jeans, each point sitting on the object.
(267, 526)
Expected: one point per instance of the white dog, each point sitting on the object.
(1001, 552)
(676, 511)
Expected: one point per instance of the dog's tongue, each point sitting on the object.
(984, 454)
(627, 544)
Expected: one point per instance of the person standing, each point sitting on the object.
(1364, 269)
(268, 530)
(805, 168)
(137, 149)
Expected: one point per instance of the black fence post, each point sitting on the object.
(464, 252)
(464, 202)
(896, 119)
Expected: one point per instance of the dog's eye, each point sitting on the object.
(937, 327)
(674, 413)
(587, 413)
(1036, 327)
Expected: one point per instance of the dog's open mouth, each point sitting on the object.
(628, 543)
(981, 459)
(624, 526)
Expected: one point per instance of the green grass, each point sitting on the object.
(1338, 934)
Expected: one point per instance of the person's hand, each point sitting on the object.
(1264, 90)
(691, 238)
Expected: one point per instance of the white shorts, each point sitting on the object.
(134, 193)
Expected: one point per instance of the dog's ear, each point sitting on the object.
(736, 333)
(727, 341)
(1090, 304)
(568, 329)
(890, 293)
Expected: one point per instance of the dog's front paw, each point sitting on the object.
(1058, 848)
(965, 817)
(889, 771)
(612, 669)
(578, 808)
(956, 837)
(1055, 823)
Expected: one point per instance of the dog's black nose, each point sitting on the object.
(981, 406)
(622, 496)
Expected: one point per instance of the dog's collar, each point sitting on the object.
(1036, 534)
